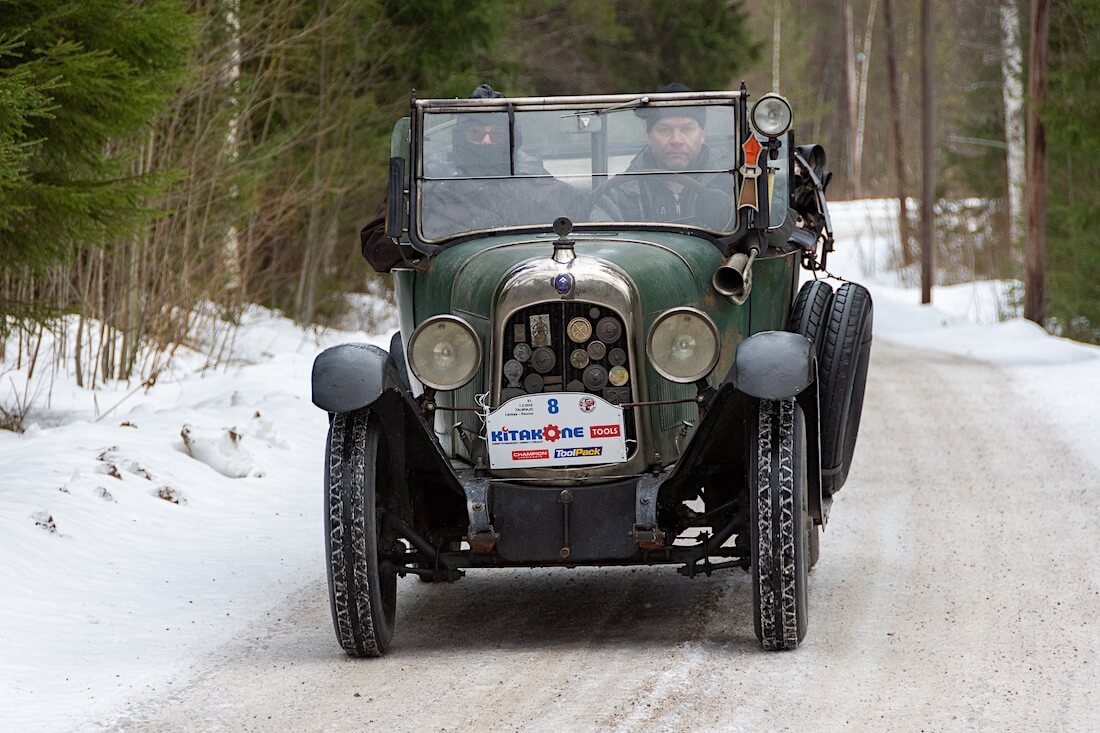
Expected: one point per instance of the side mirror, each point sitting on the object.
(395, 199)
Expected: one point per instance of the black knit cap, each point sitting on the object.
(481, 91)
(484, 91)
(652, 114)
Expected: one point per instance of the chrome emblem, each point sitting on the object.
(563, 283)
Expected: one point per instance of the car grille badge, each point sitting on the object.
(563, 283)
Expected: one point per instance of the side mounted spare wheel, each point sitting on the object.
(362, 584)
(809, 317)
(811, 312)
(842, 375)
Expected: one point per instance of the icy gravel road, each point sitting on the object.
(958, 589)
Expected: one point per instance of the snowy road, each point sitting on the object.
(957, 590)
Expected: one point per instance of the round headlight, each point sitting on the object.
(444, 352)
(771, 115)
(683, 345)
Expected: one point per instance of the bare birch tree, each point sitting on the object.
(899, 143)
(851, 86)
(861, 114)
(1012, 90)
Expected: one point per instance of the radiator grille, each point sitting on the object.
(568, 347)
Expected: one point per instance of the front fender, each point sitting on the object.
(349, 377)
(774, 365)
(769, 365)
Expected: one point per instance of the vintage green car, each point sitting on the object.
(604, 357)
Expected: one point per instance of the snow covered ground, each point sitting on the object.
(137, 539)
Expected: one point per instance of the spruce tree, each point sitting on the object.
(86, 77)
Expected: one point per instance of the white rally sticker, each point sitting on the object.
(555, 429)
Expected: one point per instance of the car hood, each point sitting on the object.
(666, 269)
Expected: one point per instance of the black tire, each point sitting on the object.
(777, 525)
(362, 594)
(842, 379)
(810, 311)
(808, 317)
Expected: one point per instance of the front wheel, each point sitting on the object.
(778, 525)
(362, 590)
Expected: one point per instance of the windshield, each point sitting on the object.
(660, 163)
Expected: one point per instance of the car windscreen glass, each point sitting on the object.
(662, 164)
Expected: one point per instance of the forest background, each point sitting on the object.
(164, 164)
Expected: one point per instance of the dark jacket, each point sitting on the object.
(650, 199)
(452, 204)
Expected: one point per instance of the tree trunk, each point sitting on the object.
(864, 69)
(776, 42)
(899, 145)
(853, 94)
(232, 142)
(1012, 89)
(1035, 255)
(927, 232)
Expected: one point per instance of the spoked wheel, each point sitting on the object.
(362, 593)
(778, 525)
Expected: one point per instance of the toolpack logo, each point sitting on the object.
(604, 431)
(590, 452)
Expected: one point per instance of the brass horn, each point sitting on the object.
(734, 278)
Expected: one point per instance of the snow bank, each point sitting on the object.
(138, 539)
(1058, 378)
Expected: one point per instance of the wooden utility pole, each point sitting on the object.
(928, 187)
(1035, 249)
(899, 144)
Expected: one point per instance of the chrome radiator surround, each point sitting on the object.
(598, 282)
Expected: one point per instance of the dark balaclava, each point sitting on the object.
(474, 159)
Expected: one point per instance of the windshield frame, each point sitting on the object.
(597, 104)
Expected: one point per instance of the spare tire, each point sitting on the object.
(842, 379)
(810, 311)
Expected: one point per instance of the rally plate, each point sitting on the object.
(555, 429)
